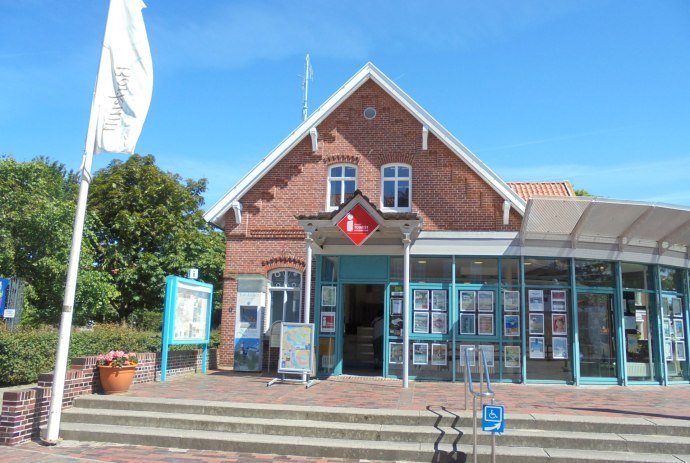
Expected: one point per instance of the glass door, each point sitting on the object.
(597, 336)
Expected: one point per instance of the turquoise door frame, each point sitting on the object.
(352, 270)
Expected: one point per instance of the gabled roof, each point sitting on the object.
(216, 214)
(528, 190)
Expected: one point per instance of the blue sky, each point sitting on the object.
(596, 92)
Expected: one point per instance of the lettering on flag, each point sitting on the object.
(125, 80)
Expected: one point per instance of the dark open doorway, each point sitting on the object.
(363, 340)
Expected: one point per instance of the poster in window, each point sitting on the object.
(396, 306)
(328, 322)
(467, 354)
(511, 356)
(666, 305)
(536, 347)
(488, 351)
(420, 322)
(439, 300)
(668, 350)
(438, 323)
(511, 301)
(467, 323)
(485, 324)
(421, 299)
(559, 347)
(678, 329)
(536, 300)
(485, 301)
(667, 328)
(395, 353)
(439, 354)
(559, 324)
(677, 310)
(536, 323)
(328, 296)
(511, 325)
(680, 350)
(420, 353)
(558, 303)
(468, 302)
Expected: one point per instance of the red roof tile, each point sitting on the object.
(527, 190)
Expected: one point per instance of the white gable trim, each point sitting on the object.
(216, 214)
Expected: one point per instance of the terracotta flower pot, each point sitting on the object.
(116, 379)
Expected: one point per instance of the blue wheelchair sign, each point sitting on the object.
(493, 418)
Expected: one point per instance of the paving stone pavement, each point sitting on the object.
(362, 392)
(81, 452)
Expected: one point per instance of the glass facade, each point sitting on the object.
(535, 319)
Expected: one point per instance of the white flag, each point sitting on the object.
(125, 80)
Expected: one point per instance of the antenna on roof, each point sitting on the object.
(308, 75)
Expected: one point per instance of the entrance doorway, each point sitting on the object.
(363, 329)
(597, 335)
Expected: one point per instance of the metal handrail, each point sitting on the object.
(489, 393)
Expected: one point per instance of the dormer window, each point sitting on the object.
(396, 187)
(342, 183)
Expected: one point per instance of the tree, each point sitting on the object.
(36, 217)
(582, 193)
(151, 226)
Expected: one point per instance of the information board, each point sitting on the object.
(4, 293)
(296, 348)
(187, 316)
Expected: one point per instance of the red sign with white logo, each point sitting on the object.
(358, 224)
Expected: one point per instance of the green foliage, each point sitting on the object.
(39, 200)
(582, 193)
(152, 227)
(142, 224)
(26, 353)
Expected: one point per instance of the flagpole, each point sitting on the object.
(124, 80)
(57, 392)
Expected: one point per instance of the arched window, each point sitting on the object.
(396, 187)
(285, 287)
(342, 183)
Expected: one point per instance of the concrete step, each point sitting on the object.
(433, 417)
(341, 448)
(379, 432)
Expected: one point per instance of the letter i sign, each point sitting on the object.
(358, 224)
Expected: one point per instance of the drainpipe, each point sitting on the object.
(406, 310)
(307, 288)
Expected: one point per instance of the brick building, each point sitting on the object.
(549, 286)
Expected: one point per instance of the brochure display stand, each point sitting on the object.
(296, 353)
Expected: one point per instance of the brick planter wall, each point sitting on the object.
(24, 411)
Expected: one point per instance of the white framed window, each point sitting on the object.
(396, 187)
(342, 183)
(285, 291)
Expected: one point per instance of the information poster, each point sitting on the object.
(296, 348)
(191, 312)
(248, 339)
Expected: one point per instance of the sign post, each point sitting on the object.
(187, 318)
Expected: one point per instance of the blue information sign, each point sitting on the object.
(187, 317)
(493, 418)
(4, 293)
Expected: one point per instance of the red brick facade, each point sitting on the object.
(446, 193)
